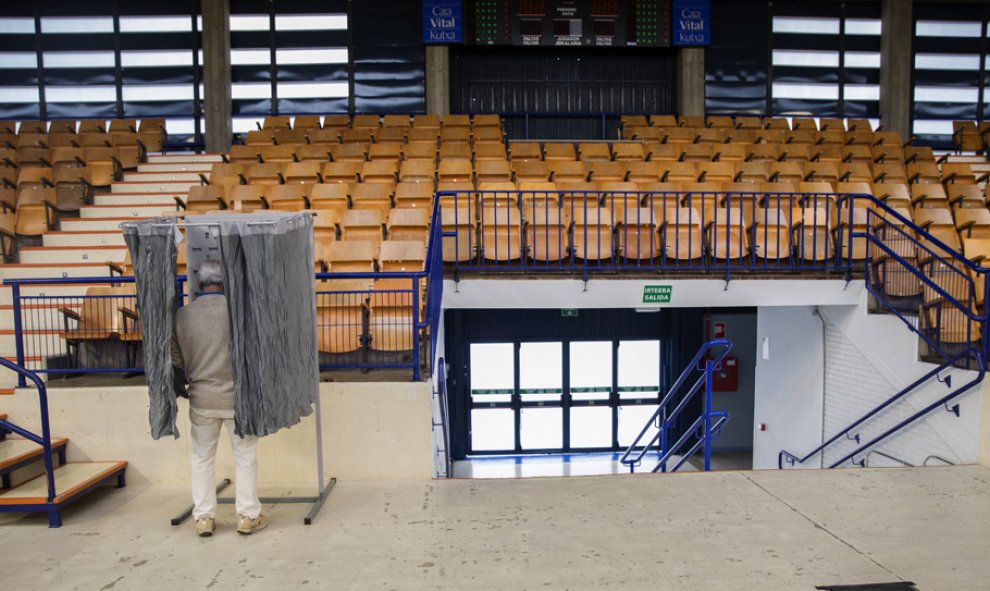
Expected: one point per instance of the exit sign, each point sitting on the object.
(568, 312)
(657, 294)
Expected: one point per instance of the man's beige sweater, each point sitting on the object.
(201, 345)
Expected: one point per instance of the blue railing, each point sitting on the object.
(708, 359)
(45, 439)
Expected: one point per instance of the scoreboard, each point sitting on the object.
(583, 23)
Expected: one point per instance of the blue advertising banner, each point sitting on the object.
(442, 22)
(692, 22)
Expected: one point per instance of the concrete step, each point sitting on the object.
(176, 167)
(52, 271)
(163, 176)
(137, 211)
(137, 198)
(66, 290)
(183, 157)
(84, 239)
(42, 255)
(94, 224)
(153, 187)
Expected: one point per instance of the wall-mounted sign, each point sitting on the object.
(442, 22)
(657, 294)
(692, 22)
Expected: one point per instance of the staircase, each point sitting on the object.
(83, 246)
(61, 484)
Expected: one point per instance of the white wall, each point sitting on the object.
(788, 383)
(737, 434)
(371, 431)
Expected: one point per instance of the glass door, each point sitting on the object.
(639, 388)
(493, 424)
(541, 414)
(590, 395)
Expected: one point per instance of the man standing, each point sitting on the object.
(201, 346)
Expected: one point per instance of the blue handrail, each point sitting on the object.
(45, 439)
(664, 420)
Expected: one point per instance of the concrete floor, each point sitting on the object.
(726, 530)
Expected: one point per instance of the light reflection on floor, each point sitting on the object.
(587, 464)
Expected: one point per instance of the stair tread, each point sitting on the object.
(14, 451)
(71, 479)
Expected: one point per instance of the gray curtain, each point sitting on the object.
(153, 253)
(268, 275)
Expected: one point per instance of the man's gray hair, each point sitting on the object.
(210, 273)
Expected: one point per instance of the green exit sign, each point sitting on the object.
(657, 294)
(568, 312)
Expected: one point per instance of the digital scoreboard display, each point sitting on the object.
(580, 23)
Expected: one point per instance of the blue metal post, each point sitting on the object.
(708, 414)
(664, 425)
(15, 290)
(415, 327)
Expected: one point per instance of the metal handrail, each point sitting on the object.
(692, 366)
(45, 439)
(792, 459)
(442, 401)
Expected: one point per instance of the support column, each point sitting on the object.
(895, 67)
(691, 81)
(216, 75)
(437, 79)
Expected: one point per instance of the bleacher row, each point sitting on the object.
(52, 169)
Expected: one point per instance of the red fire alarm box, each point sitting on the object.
(719, 330)
(726, 379)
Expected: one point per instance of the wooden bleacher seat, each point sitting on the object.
(501, 233)
(813, 232)
(565, 151)
(352, 152)
(486, 135)
(374, 196)
(203, 198)
(418, 171)
(313, 153)
(324, 136)
(278, 154)
(92, 126)
(966, 196)
(293, 137)
(683, 234)
(306, 122)
(644, 172)
(568, 170)
(461, 221)
(892, 172)
(245, 198)
(924, 195)
(153, 133)
(390, 314)
(420, 151)
(455, 135)
(637, 231)
(772, 233)
(286, 197)
(34, 211)
(358, 135)
(632, 152)
(530, 170)
(406, 256)
(486, 120)
(456, 120)
(959, 173)
(492, 171)
(972, 223)
(73, 188)
(455, 151)
(525, 151)
(339, 122)
(918, 154)
(277, 122)
(604, 170)
(385, 152)
(489, 151)
(716, 172)
(547, 231)
(342, 172)
(366, 121)
(455, 170)
(679, 172)
(352, 256)
(966, 136)
(411, 194)
(380, 171)
(263, 174)
(363, 225)
(421, 135)
(341, 305)
(593, 237)
(260, 137)
(302, 173)
(408, 223)
(97, 319)
(326, 227)
(401, 121)
(893, 194)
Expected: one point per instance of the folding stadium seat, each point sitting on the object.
(618, 196)
(664, 152)
(800, 136)
(913, 154)
(461, 221)
(492, 171)
(263, 174)
(455, 151)
(278, 154)
(637, 233)
(62, 127)
(892, 172)
(490, 151)
(928, 196)
(420, 151)
(458, 120)
(559, 151)
(720, 121)
(603, 170)
(486, 120)
(729, 153)
(848, 190)
(530, 170)
(419, 171)
(423, 135)
(744, 122)
(365, 122)
(244, 154)
(680, 135)
(763, 152)
(856, 172)
(409, 223)
(679, 172)
(973, 223)
(286, 136)
(203, 198)
(245, 198)
(355, 152)
(938, 223)
(73, 188)
(129, 149)
(377, 196)
(261, 137)
(593, 238)
(822, 171)
(342, 172)
(647, 134)
(711, 136)
(960, 173)
(773, 136)
(887, 139)
(335, 197)
(104, 167)
(966, 136)
(414, 195)
(380, 171)
(306, 122)
(631, 151)
(923, 172)
(740, 136)
(633, 121)
(277, 122)
(786, 172)
(404, 256)
(525, 151)
(814, 233)
(752, 172)
(339, 122)
(92, 126)
(589, 151)
(727, 230)
(568, 170)
(286, 197)
(696, 153)
(965, 196)
(683, 236)
(716, 172)
(325, 136)
(32, 127)
(304, 173)
(396, 121)
(772, 233)
(501, 233)
(537, 196)
(645, 172)
(862, 138)
(795, 153)
(340, 312)
(363, 225)
(857, 154)
(893, 194)
(455, 170)
(487, 135)
(856, 220)
(33, 216)
(391, 136)
(830, 137)
(352, 256)
(455, 135)
(663, 121)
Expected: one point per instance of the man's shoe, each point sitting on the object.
(205, 527)
(247, 526)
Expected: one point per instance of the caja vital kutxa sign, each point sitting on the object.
(442, 22)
